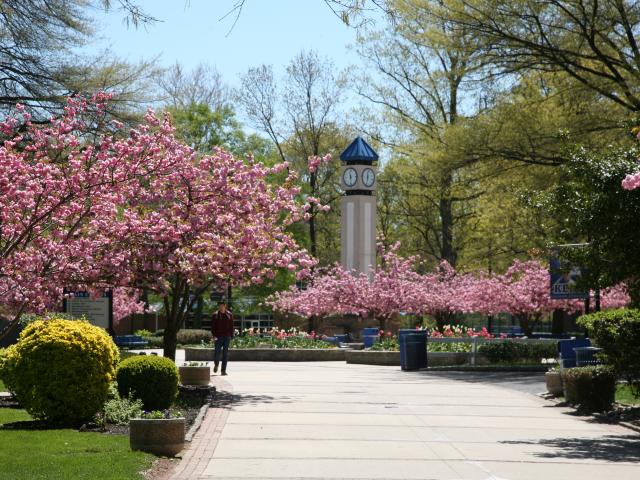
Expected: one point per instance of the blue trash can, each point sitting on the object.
(370, 331)
(369, 340)
(369, 336)
(413, 349)
(586, 356)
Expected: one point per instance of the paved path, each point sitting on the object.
(338, 421)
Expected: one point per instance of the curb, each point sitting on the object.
(197, 423)
(454, 368)
(630, 426)
(557, 402)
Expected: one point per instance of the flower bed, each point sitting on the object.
(276, 338)
(389, 342)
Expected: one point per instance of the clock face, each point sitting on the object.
(368, 177)
(350, 177)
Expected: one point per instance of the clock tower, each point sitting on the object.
(358, 207)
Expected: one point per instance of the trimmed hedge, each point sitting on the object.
(515, 351)
(60, 370)
(591, 388)
(193, 336)
(617, 332)
(152, 379)
(187, 336)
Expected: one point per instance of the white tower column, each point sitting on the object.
(358, 208)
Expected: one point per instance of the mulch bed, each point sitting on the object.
(189, 402)
(620, 414)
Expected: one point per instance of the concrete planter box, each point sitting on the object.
(441, 359)
(554, 383)
(195, 375)
(434, 359)
(198, 354)
(158, 436)
(375, 357)
(268, 355)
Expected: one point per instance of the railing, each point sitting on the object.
(477, 341)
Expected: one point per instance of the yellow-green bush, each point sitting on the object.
(60, 370)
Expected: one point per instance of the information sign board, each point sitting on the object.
(98, 311)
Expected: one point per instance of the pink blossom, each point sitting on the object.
(631, 181)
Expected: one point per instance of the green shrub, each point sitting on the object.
(28, 318)
(515, 351)
(152, 379)
(592, 388)
(124, 354)
(189, 336)
(617, 332)
(143, 333)
(154, 342)
(194, 336)
(60, 370)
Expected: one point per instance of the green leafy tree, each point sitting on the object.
(590, 205)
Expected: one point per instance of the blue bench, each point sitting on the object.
(130, 341)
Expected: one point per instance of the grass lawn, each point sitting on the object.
(48, 454)
(624, 395)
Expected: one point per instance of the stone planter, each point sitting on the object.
(195, 375)
(554, 383)
(192, 354)
(268, 354)
(373, 357)
(163, 437)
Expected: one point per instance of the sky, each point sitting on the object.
(267, 32)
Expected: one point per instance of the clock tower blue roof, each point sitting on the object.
(359, 150)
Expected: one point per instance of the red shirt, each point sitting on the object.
(222, 324)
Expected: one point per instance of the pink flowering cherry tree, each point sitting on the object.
(392, 288)
(60, 183)
(134, 209)
(215, 220)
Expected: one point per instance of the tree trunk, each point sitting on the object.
(448, 252)
(197, 319)
(442, 319)
(557, 321)
(313, 242)
(525, 323)
(382, 323)
(312, 324)
(175, 306)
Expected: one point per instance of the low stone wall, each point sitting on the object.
(366, 357)
(268, 355)
(434, 359)
(375, 357)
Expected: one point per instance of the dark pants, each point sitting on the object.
(222, 346)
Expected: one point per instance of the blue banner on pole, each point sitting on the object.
(565, 278)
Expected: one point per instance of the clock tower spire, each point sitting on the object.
(358, 207)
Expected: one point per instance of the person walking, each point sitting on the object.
(222, 330)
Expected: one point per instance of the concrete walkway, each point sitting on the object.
(339, 421)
